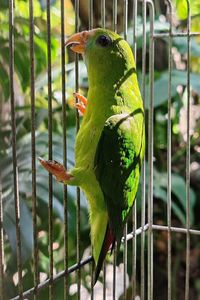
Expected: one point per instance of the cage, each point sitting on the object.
(44, 243)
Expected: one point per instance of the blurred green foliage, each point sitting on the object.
(182, 8)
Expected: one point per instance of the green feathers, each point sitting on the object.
(110, 143)
(117, 166)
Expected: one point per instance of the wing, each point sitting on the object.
(117, 166)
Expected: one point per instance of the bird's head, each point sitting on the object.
(107, 55)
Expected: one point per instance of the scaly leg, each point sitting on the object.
(56, 169)
(83, 102)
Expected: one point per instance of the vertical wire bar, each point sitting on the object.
(103, 24)
(134, 210)
(144, 163)
(91, 9)
(33, 166)
(169, 153)
(115, 15)
(14, 155)
(150, 152)
(125, 18)
(50, 208)
(64, 125)
(114, 250)
(114, 272)
(77, 128)
(91, 12)
(104, 280)
(92, 279)
(187, 272)
(2, 296)
(125, 262)
(103, 18)
(125, 230)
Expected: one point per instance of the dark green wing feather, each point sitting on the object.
(117, 166)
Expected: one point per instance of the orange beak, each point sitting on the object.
(77, 41)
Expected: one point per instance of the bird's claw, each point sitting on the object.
(56, 169)
(81, 106)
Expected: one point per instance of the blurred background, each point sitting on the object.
(23, 137)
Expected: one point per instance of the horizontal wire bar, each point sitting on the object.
(136, 232)
(178, 34)
(176, 229)
(56, 277)
(89, 259)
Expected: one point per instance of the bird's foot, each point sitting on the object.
(81, 106)
(56, 169)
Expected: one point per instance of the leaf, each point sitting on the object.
(26, 227)
(22, 60)
(40, 48)
(4, 4)
(182, 8)
(178, 190)
(160, 25)
(4, 81)
(42, 187)
(161, 193)
(181, 45)
(178, 78)
(43, 194)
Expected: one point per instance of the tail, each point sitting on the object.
(109, 240)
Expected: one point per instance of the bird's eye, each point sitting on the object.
(103, 41)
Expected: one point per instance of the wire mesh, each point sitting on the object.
(142, 283)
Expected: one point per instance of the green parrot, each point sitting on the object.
(110, 143)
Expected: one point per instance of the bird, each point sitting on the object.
(110, 143)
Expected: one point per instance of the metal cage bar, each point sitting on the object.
(14, 152)
(187, 271)
(50, 149)
(91, 13)
(134, 211)
(91, 9)
(78, 224)
(125, 254)
(150, 151)
(147, 227)
(169, 153)
(64, 124)
(33, 148)
(114, 15)
(103, 14)
(143, 171)
(2, 296)
(103, 25)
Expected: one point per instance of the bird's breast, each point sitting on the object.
(86, 145)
